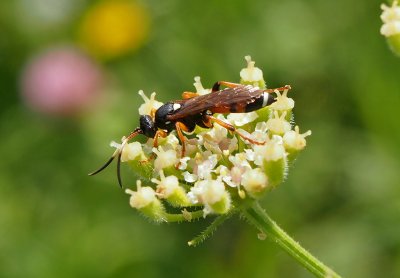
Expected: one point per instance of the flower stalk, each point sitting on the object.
(257, 216)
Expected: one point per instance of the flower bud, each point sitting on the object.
(149, 105)
(283, 103)
(168, 188)
(391, 27)
(294, 142)
(145, 200)
(199, 87)
(165, 159)
(252, 75)
(277, 125)
(272, 158)
(255, 182)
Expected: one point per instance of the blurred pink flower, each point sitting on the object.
(61, 82)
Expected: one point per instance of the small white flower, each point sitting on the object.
(199, 87)
(254, 181)
(171, 142)
(241, 119)
(294, 140)
(233, 177)
(278, 124)
(273, 150)
(149, 105)
(164, 159)
(390, 28)
(391, 19)
(282, 103)
(212, 194)
(183, 163)
(390, 13)
(203, 165)
(143, 197)
(188, 177)
(130, 151)
(251, 73)
(166, 186)
(260, 133)
(216, 140)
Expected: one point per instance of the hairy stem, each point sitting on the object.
(259, 218)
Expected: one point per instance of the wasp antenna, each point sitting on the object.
(103, 167)
(119, 169)
(118, 152)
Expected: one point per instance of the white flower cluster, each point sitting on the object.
(219, 169)
(391, 19)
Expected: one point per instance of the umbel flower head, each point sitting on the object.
(391, 25)
(221, 171)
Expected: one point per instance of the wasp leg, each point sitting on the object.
(231, 128)
(179, 127)
(159, 133)
(187, 95)
(218, 84)
(286, 87)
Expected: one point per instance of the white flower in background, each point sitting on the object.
(391, 19)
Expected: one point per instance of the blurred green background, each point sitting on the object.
(341, 200)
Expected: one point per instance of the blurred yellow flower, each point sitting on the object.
(114, 28)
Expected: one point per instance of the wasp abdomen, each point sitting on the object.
(259, 102)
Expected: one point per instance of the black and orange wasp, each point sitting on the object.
(197, 110)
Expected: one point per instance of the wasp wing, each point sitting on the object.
(228, 100)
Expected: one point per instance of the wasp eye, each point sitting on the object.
(147, 126)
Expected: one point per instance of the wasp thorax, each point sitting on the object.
(161, 120)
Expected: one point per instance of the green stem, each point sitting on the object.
(210, 229)
(258, 217)
(170, 217)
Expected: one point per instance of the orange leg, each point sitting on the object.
(179, 127)
(286, 87)
(159, 133)
(218, 84)
(231, 128)
(186, 95)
